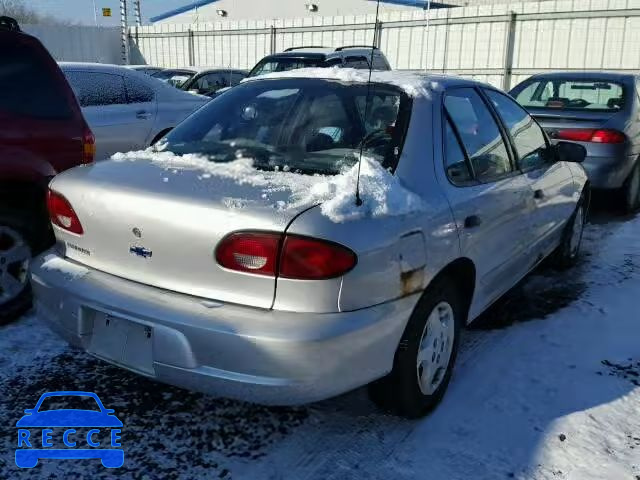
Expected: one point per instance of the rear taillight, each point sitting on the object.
(62, 214)
(591, 135)
(88, 146)
(287, 256)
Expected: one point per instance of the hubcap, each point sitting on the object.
(15, 258)
(576, 234)
(436, 345)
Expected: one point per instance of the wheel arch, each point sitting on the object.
(462, 272)
(159, 135)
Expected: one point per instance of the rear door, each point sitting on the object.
(552, 187)
(141, 101)
(491, 201)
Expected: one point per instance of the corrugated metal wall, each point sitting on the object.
(79, 44)
(501, 44)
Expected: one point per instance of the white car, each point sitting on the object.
(127, 110)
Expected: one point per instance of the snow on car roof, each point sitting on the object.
(413, 83)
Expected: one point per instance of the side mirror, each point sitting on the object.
(570, 152)
(109, 411)
(29, 411)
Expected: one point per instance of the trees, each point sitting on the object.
(23, 14)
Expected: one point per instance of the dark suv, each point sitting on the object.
(42, 133)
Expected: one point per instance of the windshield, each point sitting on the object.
(573, 94)
(282, 64)
(304, 125)
(174, 77)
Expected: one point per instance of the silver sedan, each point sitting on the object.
(309, 233)
(127, 110)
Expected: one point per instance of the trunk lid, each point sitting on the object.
(160, 225)
(554, 120)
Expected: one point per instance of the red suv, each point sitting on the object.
(42, 133)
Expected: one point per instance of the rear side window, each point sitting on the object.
(576, 94)
(356, 62)
(97, 89)
(27, 85)
(237, 77)
(379, 63)
(527, 136)
(137, 91)
(479, 132)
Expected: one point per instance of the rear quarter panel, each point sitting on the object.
(397, 255)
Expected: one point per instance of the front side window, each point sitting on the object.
(479, 133)
(527, 136)
(573, 94)
(356, 62)
(306, 125)
(96, 88)
(455, 162)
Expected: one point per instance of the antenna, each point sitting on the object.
(367, 101)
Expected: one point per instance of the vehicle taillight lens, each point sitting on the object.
(62, 214)
(88, 146)
(253, 252)
(300, 258)
(312, 259)
(591, 135)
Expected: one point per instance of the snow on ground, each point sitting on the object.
(546, 388)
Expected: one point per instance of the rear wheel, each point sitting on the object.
(15, 260)
(631, 190)
(566, 255)
(426, 354)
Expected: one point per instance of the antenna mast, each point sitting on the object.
(367, 101)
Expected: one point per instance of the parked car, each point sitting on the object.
(127, 110)
(209, 80)
(599, 110)
(175, 77)
(239, 288)
(147, 69)
(304, 57)
(42, 133)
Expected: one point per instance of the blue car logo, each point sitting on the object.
(69, 433)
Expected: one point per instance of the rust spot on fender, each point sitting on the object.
(412, 281)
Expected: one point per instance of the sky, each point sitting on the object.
(81, 11)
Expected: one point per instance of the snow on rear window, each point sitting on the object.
(382, 193)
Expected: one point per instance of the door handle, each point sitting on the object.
(142, 115)
(538, 194)
(472, 221)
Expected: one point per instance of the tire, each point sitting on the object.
(631, 190)
(414, 388)
(567, 253)
(16, 247)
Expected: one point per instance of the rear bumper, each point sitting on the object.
(608, 172)
(263, 356)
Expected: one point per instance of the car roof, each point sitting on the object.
(586, 74)
(298, 54)
(415, 84)
(94, 67)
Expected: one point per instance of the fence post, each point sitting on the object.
(508, 53)
(445, 53)
(377, 35)
(272, 38)
(191, 46)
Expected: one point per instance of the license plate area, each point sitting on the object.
(122, 341)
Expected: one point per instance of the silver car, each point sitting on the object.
(246, 257)
(127, 110)
(599, 110)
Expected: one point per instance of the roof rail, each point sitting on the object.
(8, 23)
(290, 49)
(339, 49)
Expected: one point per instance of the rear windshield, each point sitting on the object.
(573, 94)
(303, 125)
(283, 64)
